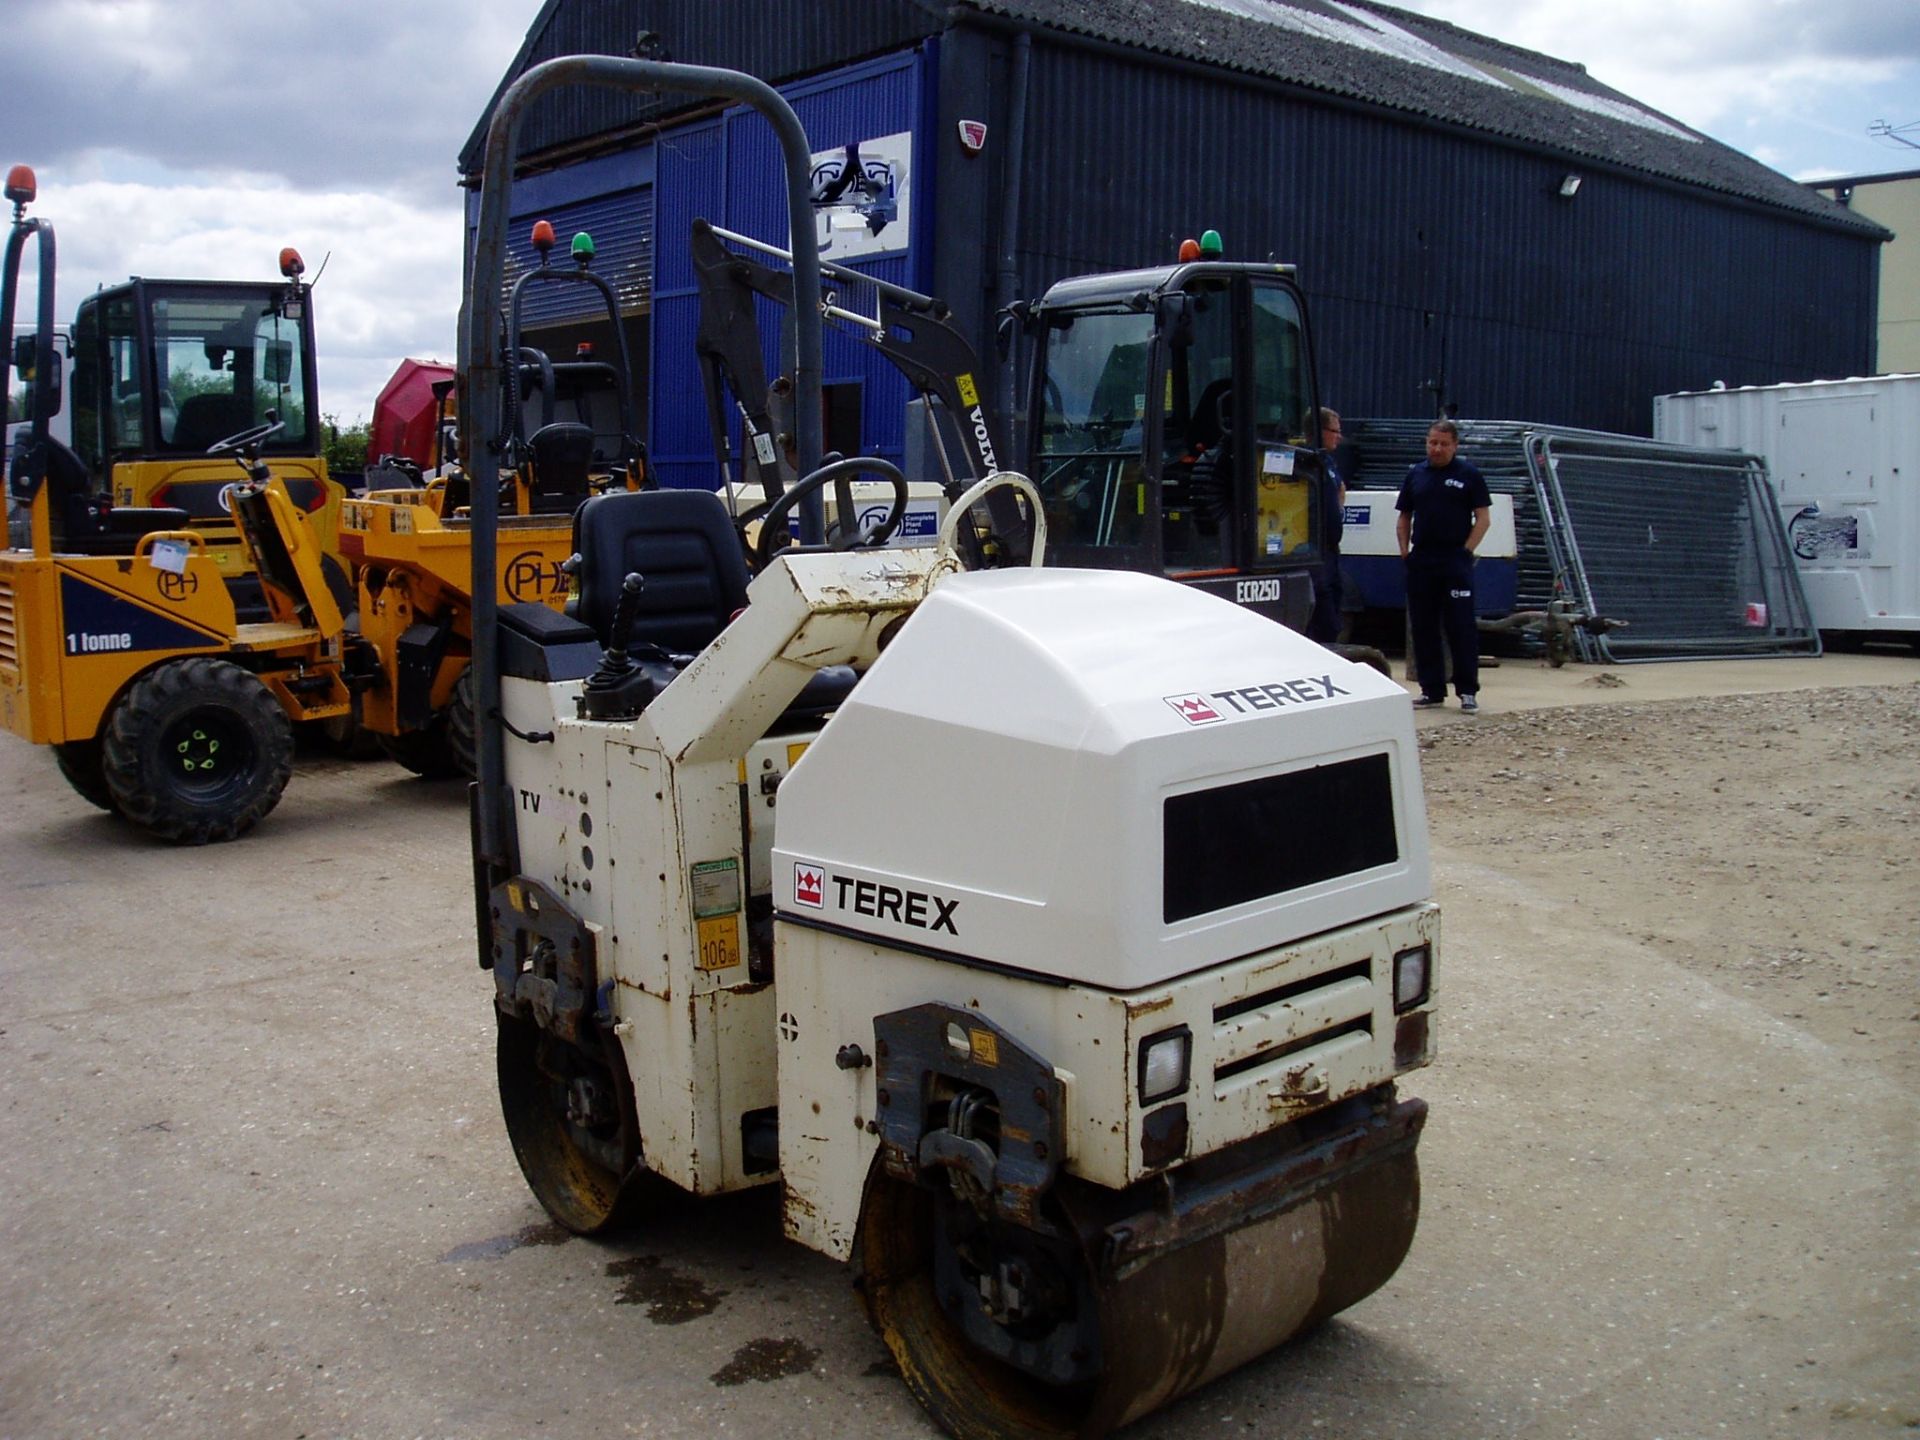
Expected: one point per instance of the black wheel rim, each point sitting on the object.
(208, 753)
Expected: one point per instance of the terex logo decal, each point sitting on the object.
(1303, 691)
(1193, 709)
(1226, 704)
(918, 908)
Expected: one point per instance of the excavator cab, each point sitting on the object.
(1168, 409)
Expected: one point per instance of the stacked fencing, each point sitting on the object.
(1683, 543)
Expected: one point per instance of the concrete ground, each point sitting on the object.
(256, 1182)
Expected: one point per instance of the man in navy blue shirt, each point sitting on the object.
(1444, 514)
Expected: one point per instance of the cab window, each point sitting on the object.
(224, 361)
(1094, 408)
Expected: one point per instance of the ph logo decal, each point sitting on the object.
(177, 588)
(809, 885)
(1193, 709)
(530, 576)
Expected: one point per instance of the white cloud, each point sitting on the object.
(391, 285)
(1757, 74)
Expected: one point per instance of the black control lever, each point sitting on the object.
(615, 690)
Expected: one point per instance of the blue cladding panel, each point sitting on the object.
(622, 229)
(728, 171)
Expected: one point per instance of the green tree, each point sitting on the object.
(346, 448)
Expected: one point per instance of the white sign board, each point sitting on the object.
(867, 189)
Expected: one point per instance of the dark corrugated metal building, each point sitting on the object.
(1477, 226)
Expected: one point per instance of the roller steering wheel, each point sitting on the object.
(773, 524)
(252, 435)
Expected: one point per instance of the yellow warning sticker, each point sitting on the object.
(969, 392)
(985, 1045)
(794, 752)
(719, 939)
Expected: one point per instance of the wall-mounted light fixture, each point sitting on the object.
(1569, 187)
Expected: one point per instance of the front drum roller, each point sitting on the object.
(1256, 1264)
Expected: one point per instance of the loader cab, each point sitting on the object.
(162, 369)
(1169, 429)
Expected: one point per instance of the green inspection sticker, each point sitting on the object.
(716, 887)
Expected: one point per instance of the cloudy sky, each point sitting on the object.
(196, 137)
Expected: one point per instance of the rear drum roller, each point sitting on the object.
(569, 1116)
(1142, 1337)
(197, 752)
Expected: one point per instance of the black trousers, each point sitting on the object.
(1324, 625)
(1440, 599)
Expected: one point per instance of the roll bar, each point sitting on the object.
(480, 354)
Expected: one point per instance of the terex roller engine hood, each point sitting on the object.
(979, 793)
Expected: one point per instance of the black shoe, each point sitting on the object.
(1428, 702)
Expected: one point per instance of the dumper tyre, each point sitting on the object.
(463, 744)
(198, 751)
(590, 1179)
(426, 753)
(80, 764)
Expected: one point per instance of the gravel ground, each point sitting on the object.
(257, 1184)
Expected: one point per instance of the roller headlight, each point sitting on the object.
(1165, 1059)
(1411, 977)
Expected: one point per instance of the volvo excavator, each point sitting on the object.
(1172, 427)
(1085, 1051)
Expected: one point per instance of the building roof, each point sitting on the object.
(1381, 55)
(1357, 51)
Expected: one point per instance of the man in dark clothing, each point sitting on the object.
(1324, 625)
(1444, 514)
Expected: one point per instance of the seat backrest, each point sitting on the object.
(205, 419)
(562, 458)
(682, 543)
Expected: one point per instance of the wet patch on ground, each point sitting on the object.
(493, 1249)
(671, 1298)
(766, 1360)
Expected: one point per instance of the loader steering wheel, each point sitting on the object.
(773, 524)
(252, 435)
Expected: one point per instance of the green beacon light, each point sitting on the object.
(1210, 246)
(583, 249)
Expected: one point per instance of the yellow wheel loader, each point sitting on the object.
(119, 643)
(1082, 1046)
(160, 371)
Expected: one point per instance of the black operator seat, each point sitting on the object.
(562, 458)
(206, 420)
(683, 545)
